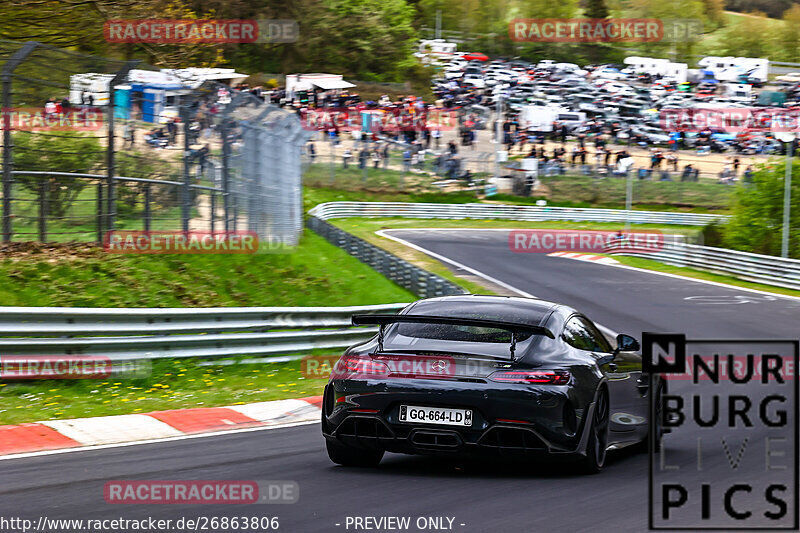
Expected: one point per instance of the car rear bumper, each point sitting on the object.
(524, 422)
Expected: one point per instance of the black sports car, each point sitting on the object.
(486, 375)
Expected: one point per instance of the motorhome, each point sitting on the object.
(645, 65)
(733, 68)
(435, 51)
(541, 118)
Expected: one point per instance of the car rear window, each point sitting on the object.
(519, 313)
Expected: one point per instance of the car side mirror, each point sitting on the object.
(626, 343)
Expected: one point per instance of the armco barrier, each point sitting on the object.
(419, 281)
(158, 333)
(332, 210)
(766, 269)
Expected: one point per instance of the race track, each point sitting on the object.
(492, 498)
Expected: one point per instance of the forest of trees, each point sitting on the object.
(375, 39)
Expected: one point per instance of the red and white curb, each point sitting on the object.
(111, 430)
(603, 260)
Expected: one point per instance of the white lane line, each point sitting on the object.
(382, 233)
(155, 441)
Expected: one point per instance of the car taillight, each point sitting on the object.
(358, 367)
(538, 377)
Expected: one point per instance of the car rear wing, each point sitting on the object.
(513, 327)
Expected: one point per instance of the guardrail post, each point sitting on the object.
(8, 143)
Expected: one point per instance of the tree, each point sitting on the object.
(714, 11)
(757, 213)
(788, 39)
(751, 36)
(596, 9)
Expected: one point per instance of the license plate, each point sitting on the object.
(435, 415)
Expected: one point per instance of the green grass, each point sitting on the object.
(315, 274)
(585, 191)
(173, 384)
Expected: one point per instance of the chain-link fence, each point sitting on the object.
(92, 145)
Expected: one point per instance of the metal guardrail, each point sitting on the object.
(332, 210)
(766, 269)
(211, 332)
(421, 282)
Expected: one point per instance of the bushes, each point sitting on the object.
(757, 222)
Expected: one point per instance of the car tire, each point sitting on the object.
(349, 456)
(595, 457)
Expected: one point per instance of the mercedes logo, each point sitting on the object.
(440, 365)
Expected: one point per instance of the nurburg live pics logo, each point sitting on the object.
(728, 458)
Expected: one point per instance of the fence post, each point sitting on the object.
(186, 208)
(111, 165)
(147, 207)
(8, 157)
(213, 209)
(43, 208)
(226, 154)
(99, 212)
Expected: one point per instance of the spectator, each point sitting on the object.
(673, 159)
(346, 157)
(312, 152)
(688, 171)
(202, 155)
(437, 137)
(748, 174)
(406, 160)
(172, 130)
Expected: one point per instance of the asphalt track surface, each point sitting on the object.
(483, 497)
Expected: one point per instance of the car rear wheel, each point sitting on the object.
(349, 456)
(596, 445)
